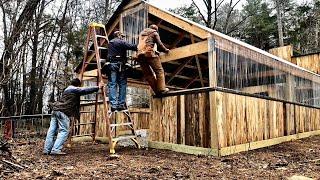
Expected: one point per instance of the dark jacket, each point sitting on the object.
(69, 103)
(119, 47)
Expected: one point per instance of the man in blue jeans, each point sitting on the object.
(67, 106)
(117, 75)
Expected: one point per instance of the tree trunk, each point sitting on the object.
(19, 27)
(279, 7)
(106, 11)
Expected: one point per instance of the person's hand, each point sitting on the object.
(167, 51)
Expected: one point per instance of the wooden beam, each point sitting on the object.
(186, 66)
(183, 148)
(176, 42)
(185, 77)
(185, 51)
(261, 88)
(179, 69)
(191, 81)
(131, 82)
(214, 116)
(262, 74)
(159, 22)
(265, 143)
(113, 26)
(132, 4)
(197, 31)
(172, 30)
(197, 61)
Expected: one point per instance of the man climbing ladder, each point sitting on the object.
(97, 37)
(117, 71)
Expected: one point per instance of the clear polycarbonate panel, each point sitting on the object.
(242, 69)
(133, 21)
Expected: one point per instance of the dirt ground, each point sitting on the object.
(89, 161)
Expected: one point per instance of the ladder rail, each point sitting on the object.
(85, 56)
(98, 40)
(105, 108)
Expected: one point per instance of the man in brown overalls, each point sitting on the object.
(149, 60)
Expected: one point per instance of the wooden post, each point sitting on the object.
(212, 63)
(289, 96)
(8, 129)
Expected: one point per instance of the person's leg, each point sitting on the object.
(63, 122)
(147, 71)
(48, 144)
(156, 65)
(112, 85)
(122, 82)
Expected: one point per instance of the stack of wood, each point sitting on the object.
(4, 148)
(7, 164)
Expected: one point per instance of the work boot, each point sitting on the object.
(45, 153)
(113, 109)
(166, 90)
(122, 107)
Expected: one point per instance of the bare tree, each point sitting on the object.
(18, 27)
(279, 8)
(211, 15)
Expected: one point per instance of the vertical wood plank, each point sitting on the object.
(182, 120)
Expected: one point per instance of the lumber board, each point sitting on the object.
(195, 30)
(113, 26)
(220, 119)
(185, 51)
(181, 120)
(183, 148)
(290, 120)
(265, 143)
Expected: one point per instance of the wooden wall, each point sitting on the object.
(184, 119)
(284, 52)
(246, 119)
(310, 62)
(139, 116)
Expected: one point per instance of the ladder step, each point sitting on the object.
(90, 63)
(100, 47)
(121, 124)
(100, 36)
(103, 60)
(87, 112)
(84, 123)
(81, 135)
(89, 76)
(87, 100)
(123, 137)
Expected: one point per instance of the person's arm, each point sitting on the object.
(159, 43)
(129, 46)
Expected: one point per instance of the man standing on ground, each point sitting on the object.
(149, 59)
(117, 75)
(67, 106)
